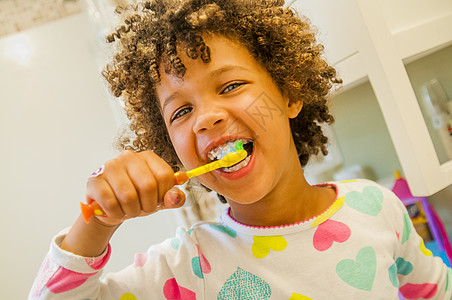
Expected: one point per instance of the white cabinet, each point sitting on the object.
(401, 15)
(418, 26)
(385, 42)
(337, 21)
(372, 41)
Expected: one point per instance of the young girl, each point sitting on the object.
(198, 76)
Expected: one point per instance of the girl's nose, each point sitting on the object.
(208, 119)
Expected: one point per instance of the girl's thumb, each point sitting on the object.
(174, 198)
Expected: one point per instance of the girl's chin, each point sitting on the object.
(247, 194)
(242, 186)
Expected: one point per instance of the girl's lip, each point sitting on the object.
(239, 173)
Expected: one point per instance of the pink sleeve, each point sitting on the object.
(62, 271)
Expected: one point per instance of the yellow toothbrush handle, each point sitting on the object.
(204, 169)
(227, 161)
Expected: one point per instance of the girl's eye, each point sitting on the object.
(231, 87)
(181, 113)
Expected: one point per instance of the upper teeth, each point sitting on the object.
(219, 151)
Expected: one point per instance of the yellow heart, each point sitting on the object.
(296, 296)
(128, 296)
(425, 250)
(263, 244)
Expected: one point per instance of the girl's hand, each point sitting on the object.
(132, 185)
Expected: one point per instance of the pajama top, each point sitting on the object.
(363, 246)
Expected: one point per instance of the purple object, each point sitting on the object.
(402, 190)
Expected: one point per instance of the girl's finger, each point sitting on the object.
(174, 198)
(162, 172)
(98, 189)
(118, 178)
(145, 184)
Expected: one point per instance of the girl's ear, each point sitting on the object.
(294, 109)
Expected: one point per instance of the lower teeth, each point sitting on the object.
(237, 166)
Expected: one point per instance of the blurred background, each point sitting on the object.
(59, 123)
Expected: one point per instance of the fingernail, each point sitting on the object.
(179, 197)
(176, 200)
(173, 197)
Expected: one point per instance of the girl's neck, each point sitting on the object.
(293, 200)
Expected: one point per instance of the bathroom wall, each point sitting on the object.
(361, 133)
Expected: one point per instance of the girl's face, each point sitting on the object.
(228, 99)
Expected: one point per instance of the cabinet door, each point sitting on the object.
(338, 25)
(418, 26)
(401, 15)
(333, 18)
(379, 49)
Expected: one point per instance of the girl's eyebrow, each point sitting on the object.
(215, 73)
(169, 99)
(224, 69)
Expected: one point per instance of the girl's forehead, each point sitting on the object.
(225, 55)
(228, 58)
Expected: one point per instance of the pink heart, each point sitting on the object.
(140, 259)
(173, 291)
(205, 265)
(64, 280)
(328, 232)
(418, 291)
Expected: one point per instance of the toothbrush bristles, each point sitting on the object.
(238, 145)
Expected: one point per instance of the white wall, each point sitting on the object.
(56, 127)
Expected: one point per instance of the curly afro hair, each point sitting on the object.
(280, 40)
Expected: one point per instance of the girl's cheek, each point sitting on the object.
(183, 149)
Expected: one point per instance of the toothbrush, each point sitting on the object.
(230, 159)
(226, 161)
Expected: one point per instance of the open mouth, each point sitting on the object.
(218, 152)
